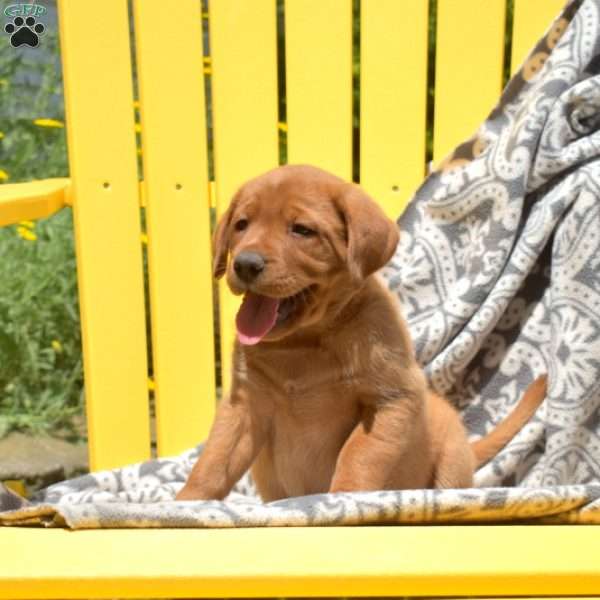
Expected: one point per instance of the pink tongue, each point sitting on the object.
(256, 318)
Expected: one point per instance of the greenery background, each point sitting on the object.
(40, 349)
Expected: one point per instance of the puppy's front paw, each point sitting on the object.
(190, 492)
(201, 490)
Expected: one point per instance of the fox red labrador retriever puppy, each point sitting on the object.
(326, 393)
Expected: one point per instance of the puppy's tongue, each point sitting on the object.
(256, 318)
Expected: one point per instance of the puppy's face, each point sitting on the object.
(293, 241)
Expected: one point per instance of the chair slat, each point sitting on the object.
(531, 19)
(244, 86)
(178, 221)
(393, 109)
(318, 52)
(468, 68)
(103, 169)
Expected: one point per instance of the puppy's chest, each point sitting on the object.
(312, 376)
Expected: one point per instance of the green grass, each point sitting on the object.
(40, 347)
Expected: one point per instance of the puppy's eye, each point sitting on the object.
(241, 224)
(302, 230)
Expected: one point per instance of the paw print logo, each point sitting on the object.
(24, 32)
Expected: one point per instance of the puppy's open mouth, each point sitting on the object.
(259, 314)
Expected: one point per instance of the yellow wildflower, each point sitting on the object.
(136, 104)
(48, 123)
(3, 175)
(282, 126)
(26, 234)
(138, 128)
(144, 237)
(57, 346)
(3, 82)
(29, 224)
(1, 135)
(151, 384)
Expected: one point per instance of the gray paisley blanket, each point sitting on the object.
(498, 271)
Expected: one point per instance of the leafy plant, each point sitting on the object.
(40, 346)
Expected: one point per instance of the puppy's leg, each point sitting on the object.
(454, 457)
(456, 463)
(388, 449)
(235, 439)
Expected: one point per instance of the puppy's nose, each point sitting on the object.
(248, 265)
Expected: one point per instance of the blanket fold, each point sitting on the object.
(498, 272)
(142, 496)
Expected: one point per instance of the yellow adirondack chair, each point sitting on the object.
(106, 196)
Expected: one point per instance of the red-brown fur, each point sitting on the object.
(333, 399)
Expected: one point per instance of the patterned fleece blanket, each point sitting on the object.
(498, 271)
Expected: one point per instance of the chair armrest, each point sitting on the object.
(33, 199)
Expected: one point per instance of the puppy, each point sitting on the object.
(326, 393)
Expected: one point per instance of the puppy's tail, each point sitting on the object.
(488, 446)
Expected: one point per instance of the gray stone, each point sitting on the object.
(40, 460)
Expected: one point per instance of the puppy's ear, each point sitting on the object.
(220, 241)
(371, 237)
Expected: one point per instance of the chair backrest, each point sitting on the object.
(390, 103)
